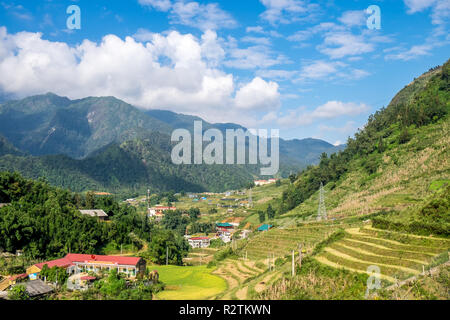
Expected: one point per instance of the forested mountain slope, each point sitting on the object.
(398, 164)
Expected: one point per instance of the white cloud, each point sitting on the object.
(341, 44)
(258, 94)
(418, 5)
(253, 57)
(162, 5)
(440, 9)
(329, 110)
(172, 71)
(320, 69)
(257, 40)
(412, 53)
(277, 74)
(334, 109)
(353, 18)
(193, 14)
(256, 29)
(288, 11)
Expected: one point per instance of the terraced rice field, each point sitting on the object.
(237, 274)
(281, 242)
(397, 255)
(198, 257)
(189, 283)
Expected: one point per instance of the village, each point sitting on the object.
(228, 212)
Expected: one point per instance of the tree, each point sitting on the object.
(292, 178)
(404, 136)
(166, 241)
(278, 183)
(270, 212)
(262, 216)
(194, 213)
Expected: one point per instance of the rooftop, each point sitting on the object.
(73, 258)
(94, 213)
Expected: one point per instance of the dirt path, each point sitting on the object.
(241, 294)
(262, 285)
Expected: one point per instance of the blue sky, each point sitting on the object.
(309, 68)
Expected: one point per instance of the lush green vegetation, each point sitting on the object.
(44, 221)
(423, 103)
(431, 218)
(115, 287)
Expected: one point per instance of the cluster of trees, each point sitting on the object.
(270, 213)
(54, 274)
(45, 221)
(115, 287)
(415, 106)
(167, 246)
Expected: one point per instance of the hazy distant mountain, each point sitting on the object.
(49, 124)
(119, 147)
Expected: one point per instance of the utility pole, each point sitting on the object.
(293, 263)
(167, 256)
(121, 248)
(250, 200)
(300, 255)
(322, 211)
(273, 260)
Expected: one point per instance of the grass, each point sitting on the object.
(189, 283)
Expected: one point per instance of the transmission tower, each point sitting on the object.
(322, 211)
(250, 200)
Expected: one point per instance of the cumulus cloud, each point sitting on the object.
(258, 94)
(172, 71)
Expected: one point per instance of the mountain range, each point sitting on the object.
(103, 143)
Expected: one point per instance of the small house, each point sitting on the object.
(265, 227)
(100, 214)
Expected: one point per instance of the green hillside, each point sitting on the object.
(387, 199)
(395, 165)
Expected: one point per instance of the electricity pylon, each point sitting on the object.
(322, 211)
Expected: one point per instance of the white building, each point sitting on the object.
(199, 242)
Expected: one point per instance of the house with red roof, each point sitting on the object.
(199, 242)
(76, 263)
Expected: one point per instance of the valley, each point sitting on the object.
(219, 233)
